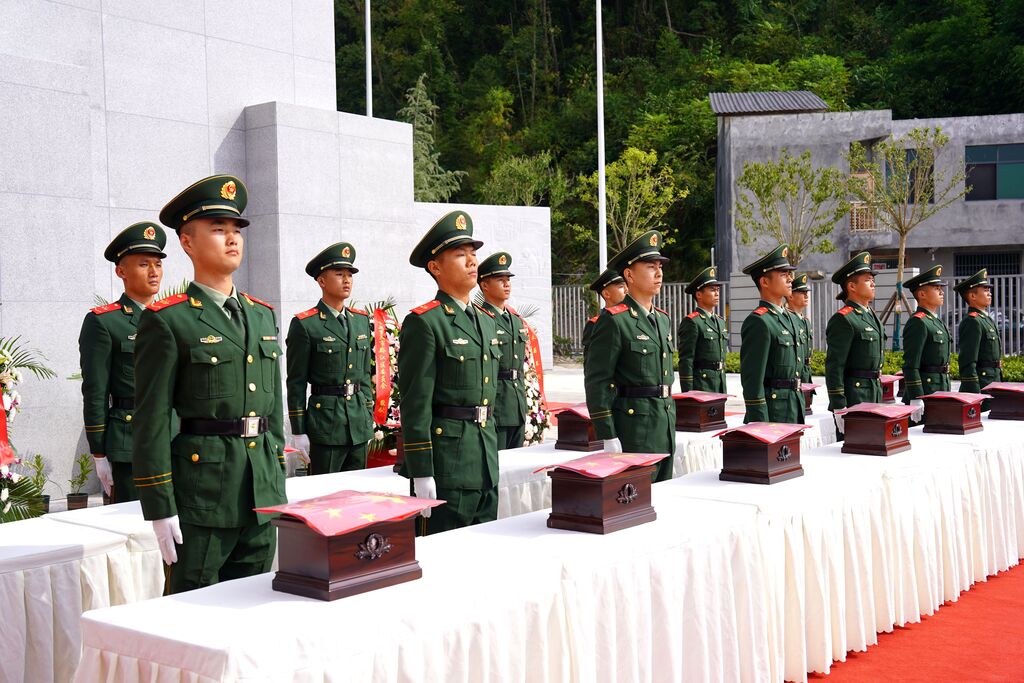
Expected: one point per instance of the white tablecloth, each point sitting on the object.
(511, 600)
(49, 574)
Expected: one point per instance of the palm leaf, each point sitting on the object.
(25, 499)
(99, 300)
(528, 311)
(175, 289)
(24, 358)
(387, 305)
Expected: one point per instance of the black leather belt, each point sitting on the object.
(990, 363)
(709, 365)
(793, 384)
(122, 403)
(941, 369)
(335, 390)
(657, 391)
(470, 413)
(243, 426)
(864, 374)
(508, 374)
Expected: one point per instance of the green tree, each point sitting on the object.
(527, 181)
(793, 201)
(639, 194)
(431, 182)
(903, 188)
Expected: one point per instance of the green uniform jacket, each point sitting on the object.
(192, 360)
(768, 352)
(854, 339)
(979, 341)
(107, 349)
(702, 339)
(321, 352)
(804, 342)
(625, 350)
(925, 343)
(448, 357)
(510, 409)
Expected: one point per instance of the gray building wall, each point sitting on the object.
(112, 107)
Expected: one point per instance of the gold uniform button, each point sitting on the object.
(252, 444)
(127, 418)
(195, 457)
(516, 356)
(773, 395)
(252, 413)
(630, 411)
(856, 384)
(486, 380)
(485, 356)
(330, 350)
(273, 354)
(252, 386)
(485, 401)
(348, 398)
(664, 355)
(612, 386)
(317, 405)
(248, 359)
(438, 430)
(350, 349)
(349, 366)
(213, 359)
(461, 358)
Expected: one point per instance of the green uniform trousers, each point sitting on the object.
(213, 554)
(511, 437)
(324, 459)
(464, 507)
(124, 482)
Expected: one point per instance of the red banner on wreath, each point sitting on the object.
(382, 353)
(535, 350)
(6, 451)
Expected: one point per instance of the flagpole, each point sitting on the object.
(602, 228)
(369, 63)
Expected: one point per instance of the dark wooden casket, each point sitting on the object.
(761, 453)
(889, 387)
(876, 428)
(952, 412)
(576, 431)
(700, 411)
(807, 389)
(399, 451)
(601, 505)
(1007, 400)
(331, 567)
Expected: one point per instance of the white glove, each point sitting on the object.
(612, 446)
(168, 532)
(425, 487)
(918, 413)
(839, 422)
(103, 472)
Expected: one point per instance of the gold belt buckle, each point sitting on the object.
(664, 391)
(350, 390)
(252, 427)
(481, 414)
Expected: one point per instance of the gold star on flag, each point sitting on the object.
(333, 513)
(368, 516)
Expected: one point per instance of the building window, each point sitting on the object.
(995, 171)
(997, 263)
(915, 174)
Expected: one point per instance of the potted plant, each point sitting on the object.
(76, 499)
(37, 473)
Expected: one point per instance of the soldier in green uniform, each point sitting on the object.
(853, 340)
(494, 278)
(212, 355)
(448, 377)
(107, 348)
(770, 365)
(980, 349)
(797, 304)
(627, 371)
(703, 336)
(329, 348)
(612, 289)
(925, 339)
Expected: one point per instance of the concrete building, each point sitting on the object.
(111, 107)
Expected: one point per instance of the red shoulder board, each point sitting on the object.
(169, 301)
(661, 310)
(358, 311)
(760, 310)
(919, 314)
(594, 319)
(306, 314)
(250, 297)
(100, 310)
(845, 310)
(973, 314)
(430, 305)
(693, 314)
(484, 310)
(615, 310)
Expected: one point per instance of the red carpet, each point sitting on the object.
(978, 638)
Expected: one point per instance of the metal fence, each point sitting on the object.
(574, 304)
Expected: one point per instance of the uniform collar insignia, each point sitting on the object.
(128, 309)
(632, 312)
(323, 316)
(460, 341)
(196, 303)
(494, 342)
(211, 340)
(131, 337)
(449, 310)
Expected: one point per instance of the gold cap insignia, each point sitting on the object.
(938, 271)
(654, 240)
(460, 222)
(867, 258)
(228, 190)
(346, 252)
(149, 233)
(984, 272)
(502, 260)
(785, 252)
(711, 273)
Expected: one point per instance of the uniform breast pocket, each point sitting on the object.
(462, 366)
(642, 356)
(783, 351)
(939, 338)
(128, 359)
(360, 358)
(869, 337)
(212, 373)
(329, 356)
(269, 353)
